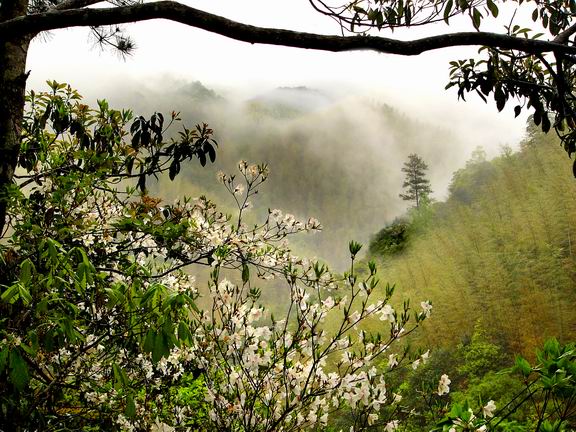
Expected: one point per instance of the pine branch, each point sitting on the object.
(75, 4)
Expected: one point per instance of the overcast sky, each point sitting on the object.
(415, 84)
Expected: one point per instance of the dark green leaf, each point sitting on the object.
(447, 10)
(130, 407)
(476, 18)
(245, 273)
(492, 7)
(4, 358)
(18, 370)
(545, 123)
(184, 332)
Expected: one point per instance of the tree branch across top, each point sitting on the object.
(173, 11)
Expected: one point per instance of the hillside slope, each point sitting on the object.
(501, 250)
(331, 159)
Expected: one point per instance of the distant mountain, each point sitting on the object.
(289, 102)
(198, 92)
(338, 160)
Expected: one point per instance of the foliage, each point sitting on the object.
(100, 326)
(549, 389)
(417, 186)
(84, 300)
(505, 251)
(550, 385)
(390, 239)
(480, 355)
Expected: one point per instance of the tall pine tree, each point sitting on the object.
(416, 185)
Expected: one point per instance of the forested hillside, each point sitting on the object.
(330, 158)
(500, 250)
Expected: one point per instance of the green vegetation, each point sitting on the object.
(500, 249)
(497, 261)
(100, 328)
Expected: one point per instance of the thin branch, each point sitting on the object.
(35, 23)
(74, 4)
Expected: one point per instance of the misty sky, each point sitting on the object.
(170, 55)
(166, 49)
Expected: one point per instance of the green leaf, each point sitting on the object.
(161, 346)
(447, 10)
(18, 370)
(148, 345)
(120, 377)
(354, 248)
(552, 347)
(184, 333)
(130, 407)
(545, 123)
(522, 366)
(24, 295)
(26, 270)
(9, 296)
(476, 18)
(245, 273)
(4, 358)
(492, 7)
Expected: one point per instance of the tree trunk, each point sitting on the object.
(13, 52)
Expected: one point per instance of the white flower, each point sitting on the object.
(444, 385)
(88, 240)
(159, 426)
(328, 303)
(242, 165)
(387, 314)
(488, 410)
(372, 418)
(239, 189)
(255, 314)
(392, 360)
(391, 426)
(426, 308)
(276, 214)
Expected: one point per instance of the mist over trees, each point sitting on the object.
(502, 74)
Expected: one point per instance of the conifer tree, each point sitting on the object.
(416, 184)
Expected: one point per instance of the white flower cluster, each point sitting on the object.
(282, 365)
(260, 373)
(472, 423)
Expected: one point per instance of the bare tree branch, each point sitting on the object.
(35, 23)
